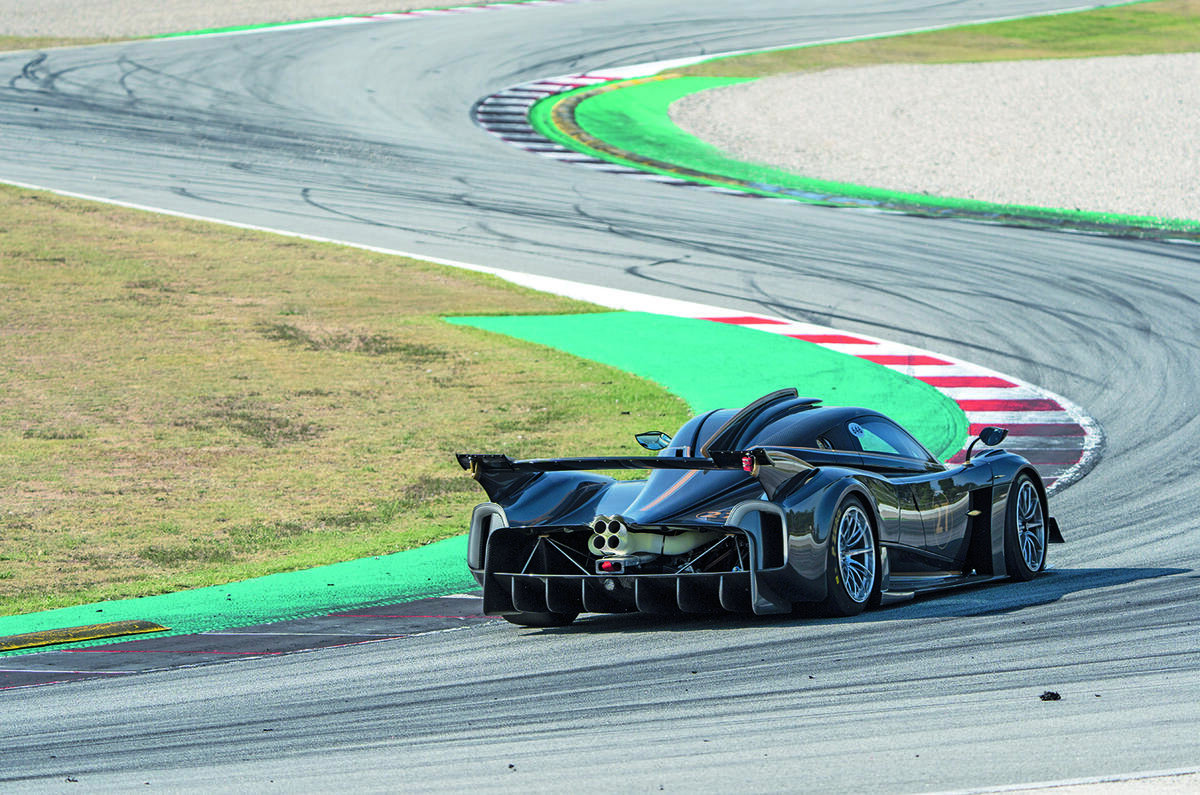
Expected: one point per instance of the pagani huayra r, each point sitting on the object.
(753, 510)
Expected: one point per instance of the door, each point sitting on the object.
(886, 448)
(944, 502)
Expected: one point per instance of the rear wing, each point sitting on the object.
(771, 467)
(485, 462)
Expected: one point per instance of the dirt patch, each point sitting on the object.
(1115, 135)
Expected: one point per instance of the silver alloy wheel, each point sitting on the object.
(1031, 527)
(856, 553)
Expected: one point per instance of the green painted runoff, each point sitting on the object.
(718, 365)
(438, 569)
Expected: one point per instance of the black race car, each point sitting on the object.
(782, 502)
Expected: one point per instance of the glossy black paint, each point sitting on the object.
(755, 491)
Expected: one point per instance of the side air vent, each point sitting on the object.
(764, 521)
(486, 517)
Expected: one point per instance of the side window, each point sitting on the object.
(836, 438)
(876, 435)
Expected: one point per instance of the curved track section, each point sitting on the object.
(363, 133)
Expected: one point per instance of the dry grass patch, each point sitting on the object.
(10, 43)
(187, 404)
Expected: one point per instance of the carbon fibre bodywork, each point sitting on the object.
(782, 502)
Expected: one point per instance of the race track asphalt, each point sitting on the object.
(363, 133)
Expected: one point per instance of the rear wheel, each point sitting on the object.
(1024, 530)
(851, 570)
(540, 619)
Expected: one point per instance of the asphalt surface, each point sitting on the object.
(363, 133)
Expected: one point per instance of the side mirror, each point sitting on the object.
(990, 436)
(653, 440)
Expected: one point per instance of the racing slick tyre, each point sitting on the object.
(1024, 530)
(852, 568)
(540, 619)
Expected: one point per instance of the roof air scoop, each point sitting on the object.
(728, 435)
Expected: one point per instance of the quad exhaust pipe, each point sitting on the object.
(611, 537)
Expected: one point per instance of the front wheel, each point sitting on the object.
(851, 569)
(540, 619)
(1024, 530)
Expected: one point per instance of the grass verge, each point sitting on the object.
(187, 404)
(1168, 26)
(11, 43)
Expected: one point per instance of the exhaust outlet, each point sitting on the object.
(612, 538)
(607, 536)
